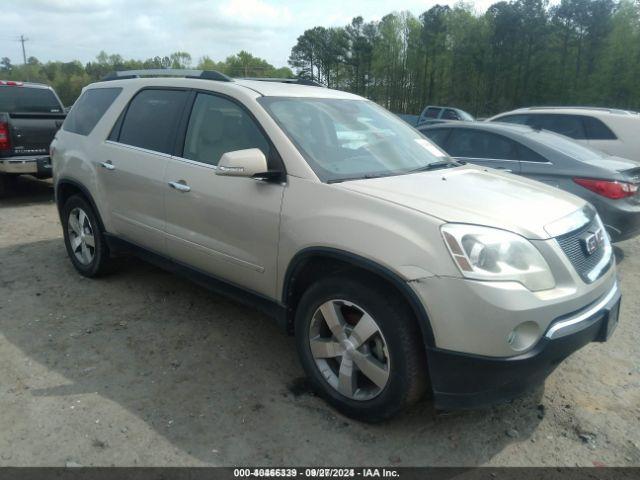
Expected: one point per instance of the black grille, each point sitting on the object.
(573, 247)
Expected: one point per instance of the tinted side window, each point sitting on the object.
(528, 155)
(597, 130)
(438, 136)
(431, 112)
(449, 114)
(476, 144)
(519, 119)
(217, 126)
(89, 109)
(151, 119)
(568, 125)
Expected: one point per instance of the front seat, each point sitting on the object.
(210, 144)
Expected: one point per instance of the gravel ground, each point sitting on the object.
(145, 368)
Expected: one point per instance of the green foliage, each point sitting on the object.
(518, 53)
(69, 78)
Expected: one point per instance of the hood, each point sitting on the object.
(475, 195)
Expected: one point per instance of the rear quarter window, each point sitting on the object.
(597, 130)
(570, 126)
(89, 109)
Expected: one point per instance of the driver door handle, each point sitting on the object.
(108, 165)
(181, 186)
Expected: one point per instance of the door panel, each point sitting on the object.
(131, 166)
(226, 226)
(132, 182)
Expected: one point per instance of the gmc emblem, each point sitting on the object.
(592, 240)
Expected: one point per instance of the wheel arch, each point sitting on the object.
(333, 260)
(66, 188)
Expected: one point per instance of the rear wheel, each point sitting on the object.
(85, 242)
(360, 347)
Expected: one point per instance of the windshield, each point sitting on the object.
(25, 99)
(352, 139)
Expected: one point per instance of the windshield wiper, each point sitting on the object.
(360, 177)
(434, 166)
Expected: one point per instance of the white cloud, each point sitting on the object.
(79, 29)
(255, 12)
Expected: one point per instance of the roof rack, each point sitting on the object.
(168, 72)
(297, 81)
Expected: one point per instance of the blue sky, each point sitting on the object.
(78, 29)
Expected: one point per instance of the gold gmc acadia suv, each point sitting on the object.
(398, 270)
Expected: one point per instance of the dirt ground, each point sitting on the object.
(145, 368)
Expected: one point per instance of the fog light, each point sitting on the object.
(524, 336)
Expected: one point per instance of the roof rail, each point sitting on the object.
(601, 109)
(297, 81)
(168, 72)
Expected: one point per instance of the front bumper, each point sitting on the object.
(37, 166)
(461, 380)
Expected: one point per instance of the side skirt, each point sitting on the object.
(235, 292)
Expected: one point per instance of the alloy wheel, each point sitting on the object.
(349, 350)
(81, 236)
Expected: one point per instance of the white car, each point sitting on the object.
(609, 130)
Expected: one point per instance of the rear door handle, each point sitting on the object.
(180, 186)
(108, 165)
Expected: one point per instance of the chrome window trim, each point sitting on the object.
(138, 149)
(194, 162)
(582, 320)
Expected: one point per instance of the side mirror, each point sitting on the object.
(242, 163)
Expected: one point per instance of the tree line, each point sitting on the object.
(517, 53)
(68, 78)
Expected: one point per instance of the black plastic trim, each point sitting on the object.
(204, 279)
(366, 264)
(462, 381)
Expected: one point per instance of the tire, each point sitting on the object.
(89, 260)
(393, 356)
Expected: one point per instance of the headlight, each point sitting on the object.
(484, 253)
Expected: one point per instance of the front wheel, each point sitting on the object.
(360, 347)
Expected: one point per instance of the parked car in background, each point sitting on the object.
(616, 132)
(397, 269)
(431, 115)
(30, 115)
(609, 183)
